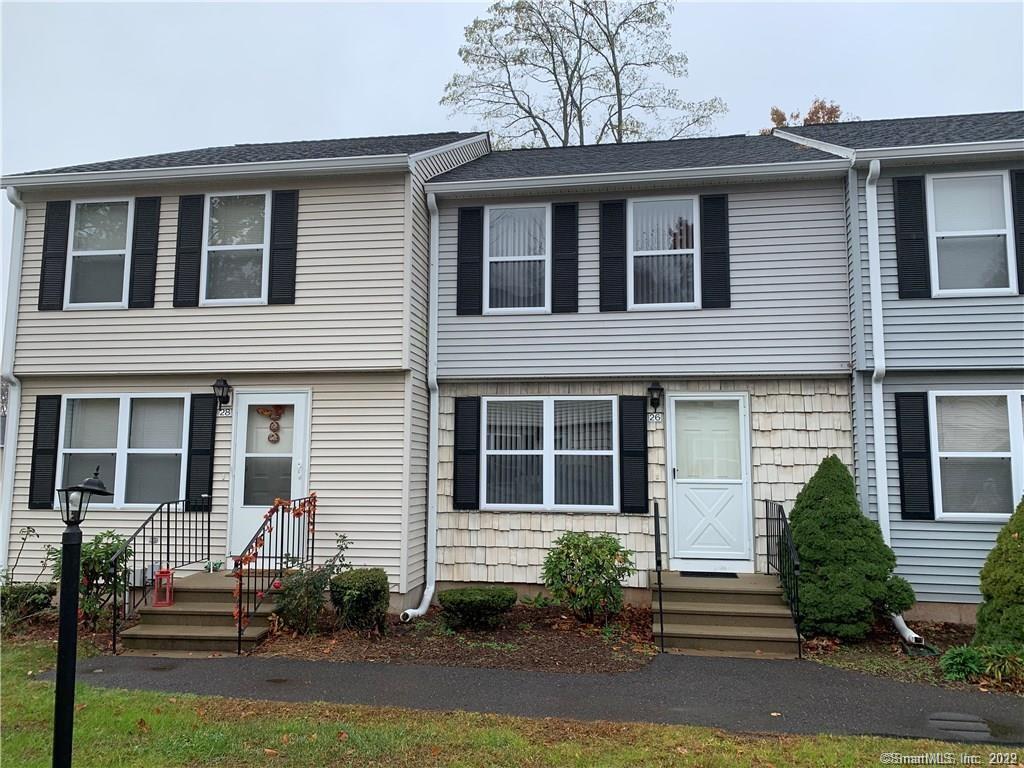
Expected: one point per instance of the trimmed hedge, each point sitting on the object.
(361, 598)
(1001, 615)
(476, 607)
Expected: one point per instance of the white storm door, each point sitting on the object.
(268, 458)
(710, 484)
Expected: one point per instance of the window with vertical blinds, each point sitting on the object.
(517, 258)
(663, 252)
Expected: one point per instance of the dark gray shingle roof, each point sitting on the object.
(637, 156)
(915, 131)
(287, 150)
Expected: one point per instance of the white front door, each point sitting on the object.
(268, 458)
(711, 526)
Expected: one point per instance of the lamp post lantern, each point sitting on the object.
(74, 504)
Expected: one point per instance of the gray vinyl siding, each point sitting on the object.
(790, 301)
(941, 559)
(937, 333)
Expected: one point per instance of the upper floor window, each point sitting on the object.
(978, 454)
(235, 252)
(98, 253)
(969, 220)
(517, 258)
(664, 256)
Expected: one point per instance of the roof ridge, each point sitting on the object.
(633, 143)
(346, 138)
(901, 119)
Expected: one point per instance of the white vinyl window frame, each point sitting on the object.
(121, 450)
(265, 278)
(72, 252)
(1007, 231)
(488, 259)
(549, 453)
(1015, 419)
(630, 253)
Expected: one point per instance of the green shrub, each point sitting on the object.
(20, 600)
(1003, 662)
(585, 573)
(361, 597)
(475, 607)
(304, 591)
(97, 584)
(1001, 615)
(846, 579)
(963, 663)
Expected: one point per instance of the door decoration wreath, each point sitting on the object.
(274, 413)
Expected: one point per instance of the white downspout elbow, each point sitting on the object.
(878, 377)
(7, 373)
(431, 569)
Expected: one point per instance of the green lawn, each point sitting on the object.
(118, 728)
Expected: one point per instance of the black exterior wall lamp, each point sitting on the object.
(655, 394)
(222, 390)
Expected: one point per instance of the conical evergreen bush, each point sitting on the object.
(846, 569)
(1001, 615)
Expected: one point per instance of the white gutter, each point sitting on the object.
(7, 373)
(916, 152)
(878, 377)
(430, 578)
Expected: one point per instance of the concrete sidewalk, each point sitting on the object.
(733, 694)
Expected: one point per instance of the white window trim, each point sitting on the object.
(549, 454)
(1007, 231)
(125, 278)
(1015, 417)
(630, 253)
(121, 450)
(546, 309)
(265, 280)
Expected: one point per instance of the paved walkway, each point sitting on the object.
(734, 694)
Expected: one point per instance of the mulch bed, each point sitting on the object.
(882, 653)
(540, 639)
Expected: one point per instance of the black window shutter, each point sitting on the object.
(565, 250)
(55, 257)
(284, 239)
(469, 299)
(912, 269)
(466, 480)
(1017, 194)
(43, 476)
(714, 251)
(145, 233)
(633, 454)
(189, 258)
(613, 255)
(914, 451)
(202, 425)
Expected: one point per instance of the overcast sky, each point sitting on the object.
(84, 82)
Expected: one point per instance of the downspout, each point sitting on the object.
(878, 378)
(431, 569)
(7, 373)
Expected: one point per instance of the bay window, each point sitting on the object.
(664, 255)
(550, 453)
(137, 441)
(235, 252)
(517, 258)
(98, 254)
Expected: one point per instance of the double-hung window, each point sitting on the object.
(137, 441)
(664, 253)
(517, 258)
(99, 250)
(977, 454)
(550, 453)
(969, 226)
(236, 256)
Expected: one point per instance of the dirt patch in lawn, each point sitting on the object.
(882, 653)
(542, 639)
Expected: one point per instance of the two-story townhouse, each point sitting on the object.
(937, 307)
(294, 273)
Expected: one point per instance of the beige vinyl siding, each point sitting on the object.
(795, 423)
(789, 314)
(348, 314)
(357, 444)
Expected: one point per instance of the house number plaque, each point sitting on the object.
(654, 418)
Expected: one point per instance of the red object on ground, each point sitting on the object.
(163, 588)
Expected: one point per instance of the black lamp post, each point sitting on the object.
(74, 503)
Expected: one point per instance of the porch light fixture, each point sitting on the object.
(74, 500)
(655, 393)
(222, 390)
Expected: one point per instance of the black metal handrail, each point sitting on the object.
(284, 540)
(784, 559)
(175, 535)
(657, 570)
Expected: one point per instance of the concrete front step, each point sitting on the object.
(728, 639)
(725, 614)
(750, 589)
(190, 637)
(208, 614)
